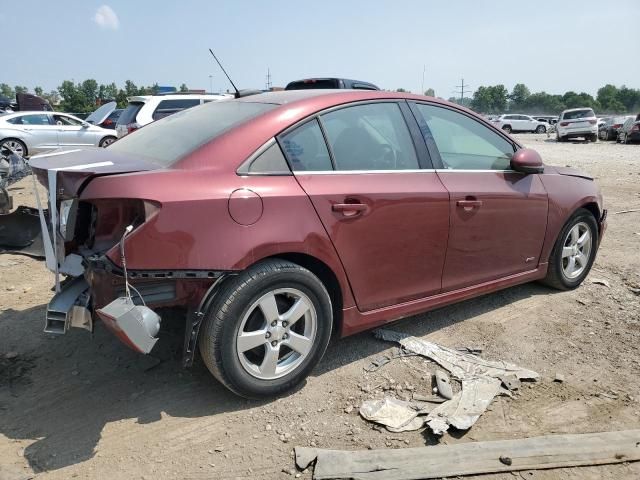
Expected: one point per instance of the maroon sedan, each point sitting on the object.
(277, 219)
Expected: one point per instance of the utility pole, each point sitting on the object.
(424, 68)
(210, 83)
(461, 89)
(268, 82)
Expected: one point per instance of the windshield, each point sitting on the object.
(579, 114)
(168, 140)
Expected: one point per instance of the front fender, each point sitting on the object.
(566, 195)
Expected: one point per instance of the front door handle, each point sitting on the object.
(349, 209)
(469, 205)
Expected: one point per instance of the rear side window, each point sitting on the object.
(587, 113)
(464, 143)
(370, 137)
(306, 149)
(129, 114)
(169, 107)
(168, 140)
(36, 119)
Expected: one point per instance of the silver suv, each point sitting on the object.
(145, 109)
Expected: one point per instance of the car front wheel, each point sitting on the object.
(574, 251)
(15, 145)
(266, 329)
(507, 128)
(106, 141)
(541, 129)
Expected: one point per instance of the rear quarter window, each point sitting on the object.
(169, 107)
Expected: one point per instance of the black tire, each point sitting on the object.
(106, 141)
(560, 139)
(223, 319)
(507, 128)
(541, 129)
(593, 138)
(15, 140)
(555, 276)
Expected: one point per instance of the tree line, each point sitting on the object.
(497, 99)
(609, 99)
(86, 96)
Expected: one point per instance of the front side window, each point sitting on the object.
(35, 119)
(370, 137)
(66, 121)
(305, 148)
(464, 143)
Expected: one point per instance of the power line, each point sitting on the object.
(461, 89)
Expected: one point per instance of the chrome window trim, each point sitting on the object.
(395, 172)
(361, 172)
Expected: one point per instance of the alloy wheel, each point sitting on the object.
(15, 146)
(276, 333)
(576, 250)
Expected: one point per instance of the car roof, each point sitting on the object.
(329, 96)
(576, 109)
(178, 96)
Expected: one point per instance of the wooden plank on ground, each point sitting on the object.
(551, 451)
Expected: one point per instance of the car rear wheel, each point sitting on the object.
(560, 139)
(541, 129)
(507, 128)
(267, 328)
(16, 145)
(574, 251)
(106, 141)
(593, 138)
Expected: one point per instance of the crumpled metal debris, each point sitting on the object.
(396, 415)
(481, 380)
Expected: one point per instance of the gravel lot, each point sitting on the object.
(85, 406)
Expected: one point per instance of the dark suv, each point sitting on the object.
(325, 83)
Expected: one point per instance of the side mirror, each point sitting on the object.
(527, 160)
(86, 124)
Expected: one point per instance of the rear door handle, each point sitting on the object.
(349, 209)
(469, 205)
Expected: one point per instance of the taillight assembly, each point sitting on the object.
(593, 122)
(132, 127)
(617, 125)
(635, 128)
(564, 124)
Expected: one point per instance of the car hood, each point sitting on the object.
(569, 171)
(101, 114)
(74, 168)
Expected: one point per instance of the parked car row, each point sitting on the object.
(623, 129)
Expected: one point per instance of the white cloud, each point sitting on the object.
(106, 18)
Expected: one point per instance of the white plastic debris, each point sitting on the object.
(396, 415)
(481, 380)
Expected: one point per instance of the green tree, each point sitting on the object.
(20, 89)
(89, 90)
(121, 98)
(492, 99)
(518, 96)
(38, 91)
(630, 98)
(6, 90)
(130, 89)
(184, 88)
(401, 90)
(430, 92)
(73, 99)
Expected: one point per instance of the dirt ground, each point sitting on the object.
(84, 406)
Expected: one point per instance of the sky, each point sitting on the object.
(552, 46)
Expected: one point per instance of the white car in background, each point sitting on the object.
(577, 122)
(28, 133)
(520, 123)
(145, 109)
